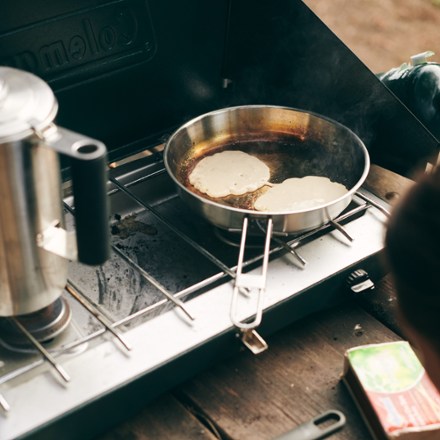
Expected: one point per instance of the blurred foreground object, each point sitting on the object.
(413, 252)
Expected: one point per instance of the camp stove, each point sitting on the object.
(160, 309)
(129, 72)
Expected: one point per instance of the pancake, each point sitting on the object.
(297, 194)
(229, 173)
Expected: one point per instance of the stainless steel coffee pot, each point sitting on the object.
(34, 244)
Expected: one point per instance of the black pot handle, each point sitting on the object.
(89, 178)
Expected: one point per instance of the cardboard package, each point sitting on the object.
(394, 394)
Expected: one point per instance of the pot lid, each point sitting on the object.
(25, 101)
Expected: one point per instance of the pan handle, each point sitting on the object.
(250, 282)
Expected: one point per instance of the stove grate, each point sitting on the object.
(151, 165)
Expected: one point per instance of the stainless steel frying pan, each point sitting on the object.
(293, 143)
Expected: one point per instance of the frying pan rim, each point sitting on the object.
(264, 214)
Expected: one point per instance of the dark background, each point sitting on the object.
(147, 67)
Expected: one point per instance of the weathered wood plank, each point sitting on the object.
(385, 184)
(261, 397)
(165, 418)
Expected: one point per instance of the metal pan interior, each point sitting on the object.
(293, 143)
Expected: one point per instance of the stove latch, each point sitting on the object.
(359, 281)
(253, 341)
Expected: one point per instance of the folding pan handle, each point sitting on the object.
(250, 282)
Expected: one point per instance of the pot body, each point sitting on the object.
(30, 193)
(34, 246)
(298, 142)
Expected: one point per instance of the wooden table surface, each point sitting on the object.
(296, 379)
